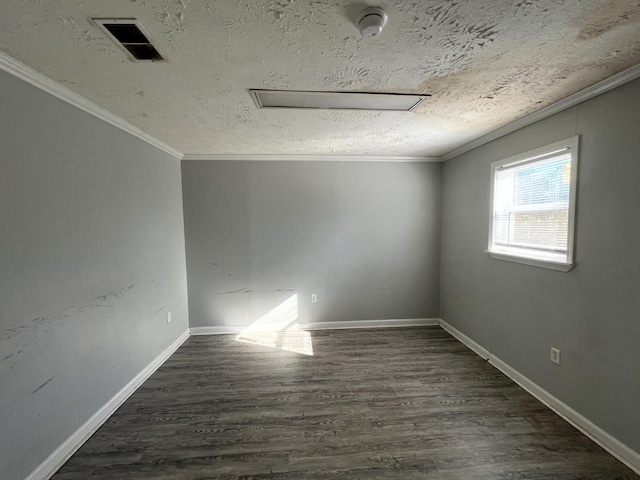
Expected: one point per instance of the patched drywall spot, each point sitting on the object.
(171, 15)
(79, 35)
(530, 6)
(277, 8)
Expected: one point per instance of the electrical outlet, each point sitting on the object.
(168, 317)
(555, 356)
(314, 297)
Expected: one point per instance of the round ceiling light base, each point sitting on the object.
(371, 21)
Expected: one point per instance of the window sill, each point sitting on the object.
(534, 262)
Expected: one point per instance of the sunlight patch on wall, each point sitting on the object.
(278, 329)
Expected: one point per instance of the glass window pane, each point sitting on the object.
(532, 205)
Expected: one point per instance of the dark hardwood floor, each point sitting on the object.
(398, 403)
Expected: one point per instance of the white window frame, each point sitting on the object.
(533, 257)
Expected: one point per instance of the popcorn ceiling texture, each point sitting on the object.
(484, 63)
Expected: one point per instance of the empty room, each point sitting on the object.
(319, 240)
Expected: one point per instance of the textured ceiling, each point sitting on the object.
(485, 63)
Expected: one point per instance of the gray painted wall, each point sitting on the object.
(91, 259)
(364, 236)
(592, 312)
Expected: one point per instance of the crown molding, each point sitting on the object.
(588, 93)
(311, 158)
(29, 75)
(18, 69)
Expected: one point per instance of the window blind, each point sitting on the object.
(531, 204)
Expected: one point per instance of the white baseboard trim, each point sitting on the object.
(615, 447)
(476, 347)
(387, 323)
(223, 330)
(394, 322)
(612, 445)
(53, 462)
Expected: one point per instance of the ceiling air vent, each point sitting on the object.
(336, 100)
(130, 36)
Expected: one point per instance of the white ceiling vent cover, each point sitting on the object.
(129, 35)
(399, 102)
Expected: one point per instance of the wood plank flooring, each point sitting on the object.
(398, 403)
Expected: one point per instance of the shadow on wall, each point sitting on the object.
(278, 328)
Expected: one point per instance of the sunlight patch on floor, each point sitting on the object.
(278, 329)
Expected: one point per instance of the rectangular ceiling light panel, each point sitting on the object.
(129, 35)
(336, 100)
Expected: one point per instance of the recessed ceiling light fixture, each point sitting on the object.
(129, 35)
(336, 100)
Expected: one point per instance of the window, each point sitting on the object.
(533, 206)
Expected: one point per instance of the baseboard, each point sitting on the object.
(476, 347)
(626, 455)
(616, 448)
(612, 445)
(395, 322)
(58, 458)
(387, 323)
(215, 330)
